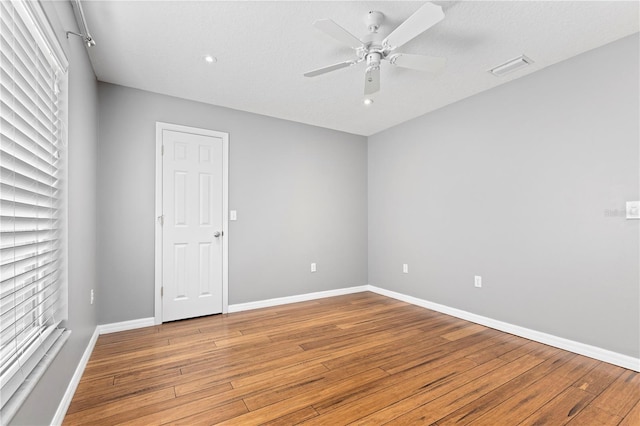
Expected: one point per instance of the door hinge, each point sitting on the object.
(161, 291)
(161, 220)
(161, 149)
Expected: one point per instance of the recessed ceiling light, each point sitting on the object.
(210, 59)
(368, 101)
(510, 66)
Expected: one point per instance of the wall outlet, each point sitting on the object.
(313, 267)
(633, 209)
(405, 268)
(233, 215)
(92, 297)
(477, 281)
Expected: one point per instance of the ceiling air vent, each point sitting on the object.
(509, 66)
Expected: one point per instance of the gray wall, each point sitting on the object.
(43, 402)
(300, 193)
(524, 185)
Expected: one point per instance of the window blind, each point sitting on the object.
(32, 222)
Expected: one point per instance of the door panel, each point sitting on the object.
(192, 181)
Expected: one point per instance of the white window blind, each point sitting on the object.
(32, 222)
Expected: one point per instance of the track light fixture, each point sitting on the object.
(88, 40)
(82, 25)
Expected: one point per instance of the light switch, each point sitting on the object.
(633, 209)
(233, 215)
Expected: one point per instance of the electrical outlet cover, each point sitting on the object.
(633, 209)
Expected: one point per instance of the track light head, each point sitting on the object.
(89, 41)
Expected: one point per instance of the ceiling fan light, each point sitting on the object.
(510, 66)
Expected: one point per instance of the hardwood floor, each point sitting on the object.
(355, 359)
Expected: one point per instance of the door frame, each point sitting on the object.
(160, 127)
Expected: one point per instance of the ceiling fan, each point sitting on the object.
(373, 49)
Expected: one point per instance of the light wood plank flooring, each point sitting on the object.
(355, 359)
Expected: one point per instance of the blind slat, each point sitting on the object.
(15, 254)
(11, 208)
(21, 174)
(26, 196)
(22, 224)
(26, 184)
(16, 239)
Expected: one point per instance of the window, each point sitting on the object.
(32, 207)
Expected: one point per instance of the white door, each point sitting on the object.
(192, 224)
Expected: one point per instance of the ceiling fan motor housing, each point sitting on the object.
(373, 60)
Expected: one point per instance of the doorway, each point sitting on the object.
(191, 252)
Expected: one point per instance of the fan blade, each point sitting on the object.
(329, 68)
(372, 81)
(337, 32)
(418, 62)
(423, 19)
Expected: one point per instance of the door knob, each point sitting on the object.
(217, 234)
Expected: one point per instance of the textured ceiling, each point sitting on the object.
(264, 47)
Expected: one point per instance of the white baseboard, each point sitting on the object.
(75, 379)
(239, 307)
(548, 339)
(126, 325)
